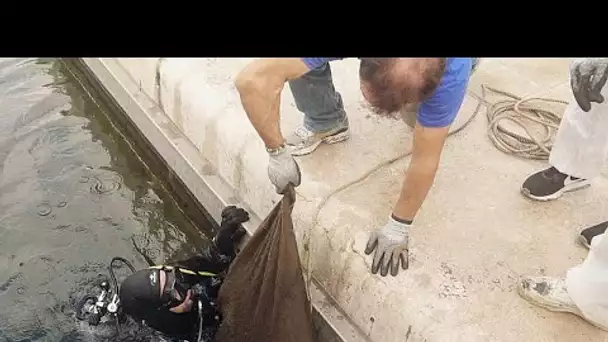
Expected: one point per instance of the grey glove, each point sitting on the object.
(283, 169)
(391, 245)
(587, 78)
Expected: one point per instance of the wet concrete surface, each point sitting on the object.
(72, 196)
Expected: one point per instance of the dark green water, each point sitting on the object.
(72, 196)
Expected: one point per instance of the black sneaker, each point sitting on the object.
(550, 184)
(588, 234)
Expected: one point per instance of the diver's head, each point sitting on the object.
(149, 292)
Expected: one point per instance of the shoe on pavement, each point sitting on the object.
(550, 293)
(587, 234)
(303, 141)
(550, 184)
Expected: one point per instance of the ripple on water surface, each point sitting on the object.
(72, 196)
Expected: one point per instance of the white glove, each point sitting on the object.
(283, 169)
(391, 245)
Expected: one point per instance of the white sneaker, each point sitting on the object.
(303, 141)
(550, 293)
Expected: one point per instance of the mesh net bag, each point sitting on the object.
(264, 295)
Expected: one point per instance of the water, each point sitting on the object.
(72, 196)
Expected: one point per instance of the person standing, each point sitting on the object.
(579, 154)
(581, 144)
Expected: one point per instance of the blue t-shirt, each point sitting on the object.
(441, 108)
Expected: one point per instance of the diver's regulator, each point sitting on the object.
(92, 309)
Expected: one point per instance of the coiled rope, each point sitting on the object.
(514, 109)
(521, 112)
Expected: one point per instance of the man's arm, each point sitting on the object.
(260, 84)
(419, 177)
(391, 242)
(435, 117)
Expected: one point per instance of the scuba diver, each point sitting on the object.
(177, 300)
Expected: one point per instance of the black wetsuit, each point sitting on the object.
(183, 325)
(140, 293)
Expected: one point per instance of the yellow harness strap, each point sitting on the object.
(185, 270)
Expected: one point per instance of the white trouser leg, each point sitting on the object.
(587, 283)
(581, 143)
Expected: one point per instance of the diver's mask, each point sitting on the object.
(174, 292)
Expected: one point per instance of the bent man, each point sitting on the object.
(166, 298)
(578, 155)
(438, 85)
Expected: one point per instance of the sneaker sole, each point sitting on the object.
(568, 188)
(332, 139)
(573, 311)
(581, 239)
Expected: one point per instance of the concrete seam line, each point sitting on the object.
(157, 85)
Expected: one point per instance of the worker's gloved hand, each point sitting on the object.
(231, 230)
(587, 78)
(283, 169)
(391, 245)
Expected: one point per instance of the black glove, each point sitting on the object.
(587, 78)
(231, 231)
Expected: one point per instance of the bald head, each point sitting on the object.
(388, 84)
